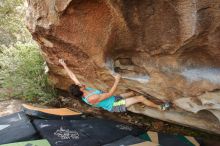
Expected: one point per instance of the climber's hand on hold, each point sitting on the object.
(62, 62)
(117, 76)
(69, 72)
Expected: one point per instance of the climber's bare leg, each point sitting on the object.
(128, 94)
(140, 99)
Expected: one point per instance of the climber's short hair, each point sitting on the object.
(75, 91)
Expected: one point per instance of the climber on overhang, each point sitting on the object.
(106, 100)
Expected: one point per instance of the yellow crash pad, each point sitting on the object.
(53, 111)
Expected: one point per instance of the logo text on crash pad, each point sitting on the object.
(66, 133)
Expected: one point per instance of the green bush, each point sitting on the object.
(22, 74)
(21, 65)
(12, 22)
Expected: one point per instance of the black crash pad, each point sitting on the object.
(93, 131)
(61, 133)
(165, 139)
(13, 118)
(126, 141)
(179, 140)
(16, 127)
(105, 131)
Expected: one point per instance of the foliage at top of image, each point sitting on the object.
(12, 26)
(21, 64)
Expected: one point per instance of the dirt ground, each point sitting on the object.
(10, 106)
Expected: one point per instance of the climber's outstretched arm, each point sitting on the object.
(98, 98)
(69, 72)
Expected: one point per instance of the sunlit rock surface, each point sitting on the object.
(167, 49)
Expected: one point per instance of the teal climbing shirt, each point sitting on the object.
(106, 104)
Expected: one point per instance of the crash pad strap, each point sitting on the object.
(153, 136)
(147, 143)
(192, 140)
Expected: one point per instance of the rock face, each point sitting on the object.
(167, 49)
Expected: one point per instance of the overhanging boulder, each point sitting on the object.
(167, 49)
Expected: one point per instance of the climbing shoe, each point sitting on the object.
(165, 106)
